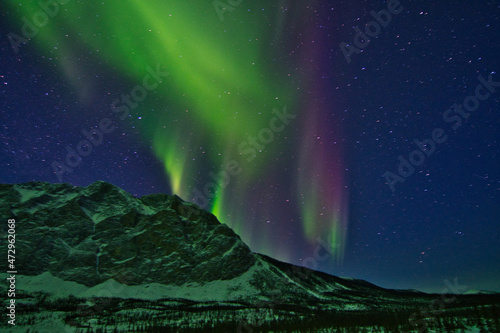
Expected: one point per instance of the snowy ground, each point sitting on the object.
(210, 291)
(210, 295)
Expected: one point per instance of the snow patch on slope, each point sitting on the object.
(219, 290)
(282, 274)
(48, 283)
(27, 194)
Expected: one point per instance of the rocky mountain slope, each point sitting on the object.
(86, 256)
(94, 234)
(89, 235)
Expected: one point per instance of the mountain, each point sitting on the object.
(89, 235)
(87, 256)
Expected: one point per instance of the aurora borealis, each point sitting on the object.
(224, 104)
(258, 118)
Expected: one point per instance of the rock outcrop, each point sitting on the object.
(89, 235)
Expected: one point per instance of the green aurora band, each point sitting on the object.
(224, 80)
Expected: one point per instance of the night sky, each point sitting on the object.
(359, 138)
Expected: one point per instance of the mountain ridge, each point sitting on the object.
(85, 252)
(104, 227)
